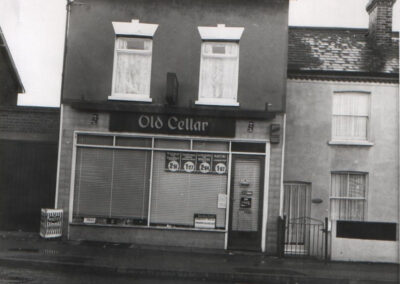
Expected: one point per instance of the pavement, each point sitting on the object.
(20, 249)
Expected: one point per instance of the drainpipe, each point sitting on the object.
(282, 166)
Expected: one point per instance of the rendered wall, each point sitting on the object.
(309, 158)
(344, 249)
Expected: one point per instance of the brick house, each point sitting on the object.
(170, 122)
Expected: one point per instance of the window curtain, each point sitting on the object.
(132, 68)
(348, 197)
(219, 72)
(350, 116)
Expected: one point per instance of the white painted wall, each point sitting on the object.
(363, 250)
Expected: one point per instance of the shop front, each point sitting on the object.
(170, 180)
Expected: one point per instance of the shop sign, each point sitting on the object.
(245, 202)
(199, 163)
(172, 124)
(205, 221)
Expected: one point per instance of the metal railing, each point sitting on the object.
(303, 237)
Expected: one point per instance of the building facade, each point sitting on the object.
(342, 135)
(172, 121)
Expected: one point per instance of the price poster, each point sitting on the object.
(188, 162)
(197, 163)
(204, 163)
(172, 161)
(219, 164)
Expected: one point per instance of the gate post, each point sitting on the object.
(281, 235)
(326, 239)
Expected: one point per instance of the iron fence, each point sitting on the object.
(303, 237)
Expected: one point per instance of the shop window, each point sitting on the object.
(132, 61)
(182, 193)
(137, 182)
(348, 196)
(350, 117)
(112, 185)
(219, 65)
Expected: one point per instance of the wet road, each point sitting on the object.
(43, 275)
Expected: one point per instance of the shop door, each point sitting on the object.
(246, 203)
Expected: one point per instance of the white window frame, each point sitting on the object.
(133, 29)
(219, 36)
(342, 140)
(349, 198)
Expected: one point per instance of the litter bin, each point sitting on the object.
(51, 223)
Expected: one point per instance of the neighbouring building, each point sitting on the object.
(342, 138)
(28, 152)
(171, 122)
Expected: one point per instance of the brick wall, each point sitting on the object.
(380, 21)
(29, 123)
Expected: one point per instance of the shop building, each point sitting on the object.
(342, 136)
(172, 122)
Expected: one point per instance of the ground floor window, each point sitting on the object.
(348, 196)
(151, 181)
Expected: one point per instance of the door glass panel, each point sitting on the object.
(246, 192)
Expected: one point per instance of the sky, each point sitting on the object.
(35, 29)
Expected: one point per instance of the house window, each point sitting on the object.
(348, 196)
(350, 117)
(219, 65)
(132, 61)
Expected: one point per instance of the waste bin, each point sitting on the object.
(51, 223)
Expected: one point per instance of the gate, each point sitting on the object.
(303, 237)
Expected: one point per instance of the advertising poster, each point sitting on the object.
(198, 163)
(219, 165)
(188, 162)
(172, 161)
(204, 163)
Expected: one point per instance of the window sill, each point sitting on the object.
(135, 98)
(350, 143)
(147, 227)
(217, 102)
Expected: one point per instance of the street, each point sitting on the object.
(43, 275)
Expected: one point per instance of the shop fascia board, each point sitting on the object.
(169, 110)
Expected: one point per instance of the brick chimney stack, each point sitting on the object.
(380, 21)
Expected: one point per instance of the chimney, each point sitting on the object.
(380, 21)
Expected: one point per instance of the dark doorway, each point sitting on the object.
(27, 183)
(246, 203)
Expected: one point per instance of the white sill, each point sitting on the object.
(350, 143)
(217, 102)
(135, 98)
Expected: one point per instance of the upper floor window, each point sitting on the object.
(348, 196)
(219, 65)
(132, 61)
(350, 117)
